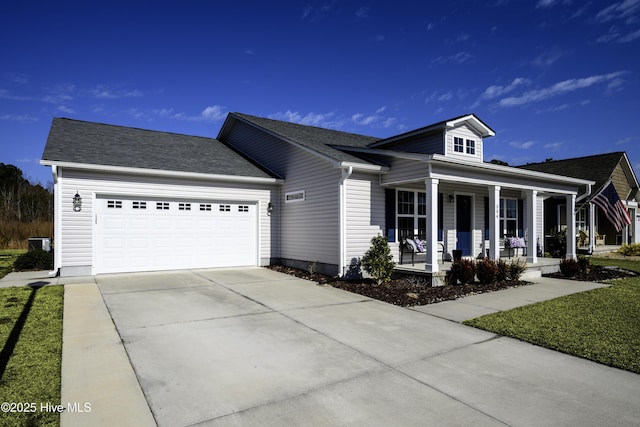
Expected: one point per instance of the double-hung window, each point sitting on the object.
(471, 146)
(509, 217)
(412, 214)
(458, 144)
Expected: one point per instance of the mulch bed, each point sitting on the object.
(405, 292)
(413, 290)
(597, 273)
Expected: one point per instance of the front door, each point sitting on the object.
(463, 224)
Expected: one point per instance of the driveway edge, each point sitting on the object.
(99, 386)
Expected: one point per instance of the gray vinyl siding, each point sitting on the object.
(425, 144)
(365, 215)
(403, 170)
(310, 228)
(76, 234)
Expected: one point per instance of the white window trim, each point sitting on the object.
(300, 196)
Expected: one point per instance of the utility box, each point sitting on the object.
(39, 243)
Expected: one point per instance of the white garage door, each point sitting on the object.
(138, 234)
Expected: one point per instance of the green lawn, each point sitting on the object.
(7, 257)
(30, 361)
(602, 325)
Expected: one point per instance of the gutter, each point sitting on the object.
(57, 221)
(346, 173)
(165, 173)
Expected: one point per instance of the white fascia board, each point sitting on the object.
(486, 131)
(157, 172)
(391, 153)
(509, 170)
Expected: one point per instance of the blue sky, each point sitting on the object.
(553, 78)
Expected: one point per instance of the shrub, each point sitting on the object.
(487, 271)
(569, 267)
(516, 268)
(558, 244)
(463, 270)
(378, 261)
(34, 260)
(503, 270)
(584, 263)
(630, 250)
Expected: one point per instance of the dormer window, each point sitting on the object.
(458, 145)
(471, 146)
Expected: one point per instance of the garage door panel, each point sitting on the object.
(183, 234)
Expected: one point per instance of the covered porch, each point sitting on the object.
(472, 208)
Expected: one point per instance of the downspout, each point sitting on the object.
(57, 222)
(346, 173)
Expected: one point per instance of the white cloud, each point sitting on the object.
(495, 91)
(23, 118)
(375, 120)
(630, 37)
(458, 58)
(559, 88)
(214, 113)
(522, 145)
(66, 110)
(105, 92)
(553, 146)
(548, 57)
(624, 10)
(362, 13)
(4, 94)
(623, 141)
(325, 120)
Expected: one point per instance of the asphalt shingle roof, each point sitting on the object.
(103, 144)
(317, 139)
(596, 168)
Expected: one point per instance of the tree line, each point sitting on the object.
(26, 209)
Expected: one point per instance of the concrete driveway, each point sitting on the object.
(255, 347)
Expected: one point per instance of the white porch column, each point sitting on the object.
(532, 230)
(494, 222)
(431, 187)
(571, 226)
(592, 227)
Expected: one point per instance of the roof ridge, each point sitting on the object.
(620, 153)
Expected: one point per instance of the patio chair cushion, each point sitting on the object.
(411, 245)
(419, 245)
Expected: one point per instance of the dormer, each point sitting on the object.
(461, 137)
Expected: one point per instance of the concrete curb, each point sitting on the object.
(99, 386)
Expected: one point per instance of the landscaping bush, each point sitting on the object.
(569, 267)
(557, 246)
(630, 250)
(503, 270)
(463, 271)
(517, 268)
(584, 264)
(34, 260)
(487, 271)
(378, 261)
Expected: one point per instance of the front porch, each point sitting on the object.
(534, 270)
(542, 265)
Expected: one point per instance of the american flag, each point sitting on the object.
(611, 205)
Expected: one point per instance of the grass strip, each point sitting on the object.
(602, 325)
(30, 360)
(7, 258)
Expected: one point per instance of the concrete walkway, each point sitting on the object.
(254, 347)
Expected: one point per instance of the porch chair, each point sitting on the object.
(415, 247)
(583, 238)
(515, 243)
(600, 239)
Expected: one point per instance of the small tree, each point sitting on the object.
(378, 261)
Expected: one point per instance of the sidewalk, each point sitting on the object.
(543, 289)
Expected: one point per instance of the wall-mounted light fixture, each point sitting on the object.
(450, 198)
(77, 203)
(269, 208)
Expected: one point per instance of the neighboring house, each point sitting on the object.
(604, 169)
(269, 191)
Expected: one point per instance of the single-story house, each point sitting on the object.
(613, 176)
(267, 191)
